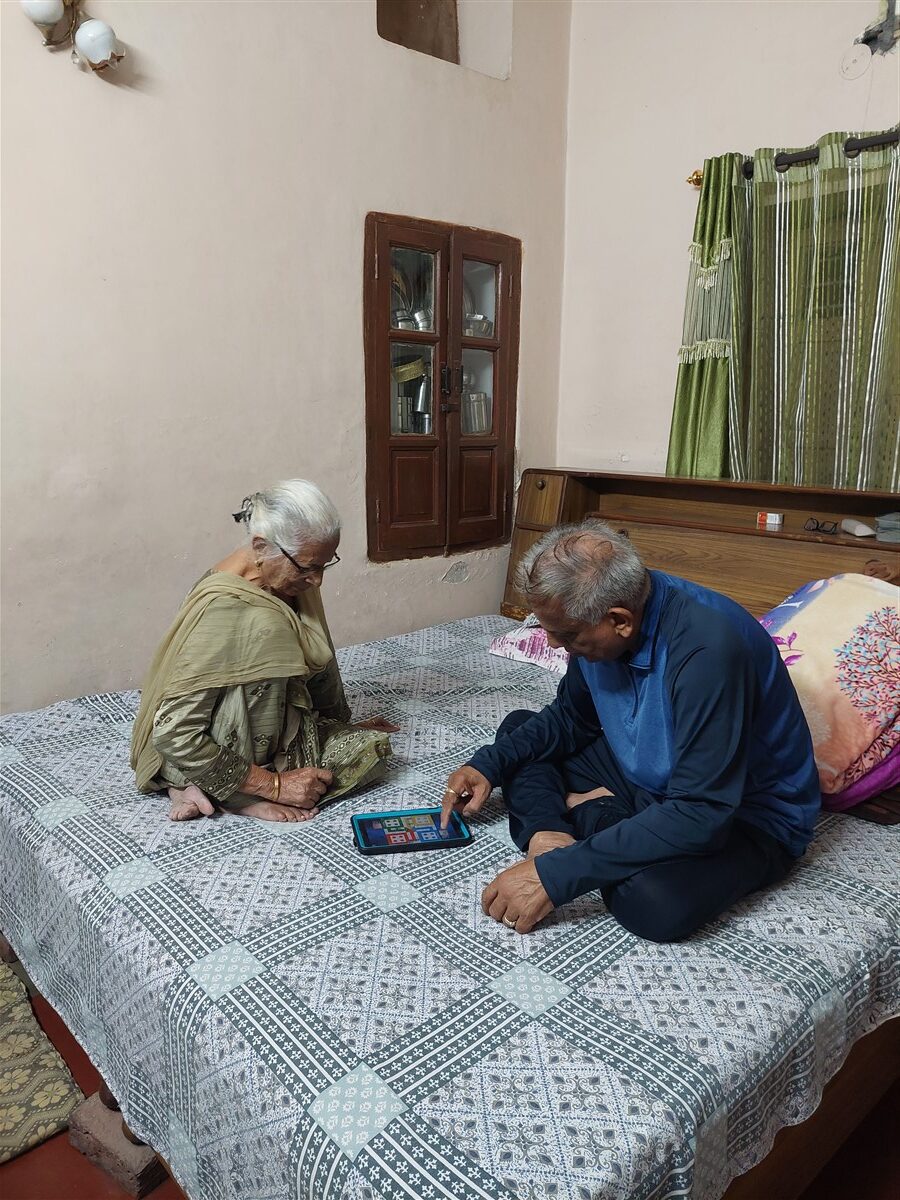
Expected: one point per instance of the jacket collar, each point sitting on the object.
(642, 657)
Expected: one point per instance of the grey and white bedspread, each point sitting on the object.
(286, 1020)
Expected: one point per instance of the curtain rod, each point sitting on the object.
(852, 148)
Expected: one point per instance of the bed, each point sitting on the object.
(283, 1019)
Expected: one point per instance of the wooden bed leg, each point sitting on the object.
(108, 1100)
(96, 1129)
(7, 954)
(132, 1137)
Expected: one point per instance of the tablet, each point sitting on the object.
(409, 829)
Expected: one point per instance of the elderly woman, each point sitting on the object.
(244, 703)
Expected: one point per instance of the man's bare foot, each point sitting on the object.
(548, 839)
(187, 803)
(575, 798)
(265, 810)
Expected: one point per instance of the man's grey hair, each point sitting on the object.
(588, 568)
(291, 514)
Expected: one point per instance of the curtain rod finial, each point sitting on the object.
(695, 178)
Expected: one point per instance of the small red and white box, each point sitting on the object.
(767, 520)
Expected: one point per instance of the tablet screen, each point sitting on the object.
(409, 829)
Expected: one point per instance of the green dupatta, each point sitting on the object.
(227, 633)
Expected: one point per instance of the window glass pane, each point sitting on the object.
(479, 298)
(412, 289)
(412, 379)
(477, 402)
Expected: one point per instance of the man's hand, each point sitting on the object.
(467, 790)
(517, 898)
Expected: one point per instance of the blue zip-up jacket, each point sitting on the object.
(702, 718)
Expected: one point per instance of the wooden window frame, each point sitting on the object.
(450, 447)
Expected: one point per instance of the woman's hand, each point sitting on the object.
(382, 724)
(297, 789)
(304, 788)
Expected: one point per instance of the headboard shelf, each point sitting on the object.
(785, 533)
(705, 529)
(683, 485)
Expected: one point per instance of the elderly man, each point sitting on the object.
(674, 770)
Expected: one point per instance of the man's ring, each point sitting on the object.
(508, 923)
(451, 792)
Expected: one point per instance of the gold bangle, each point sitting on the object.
(277, 785)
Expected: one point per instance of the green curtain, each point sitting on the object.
(698, 441)
(811, 390)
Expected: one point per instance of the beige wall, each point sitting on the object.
(182, 301)
(485, 35)
(654, 88)
(183, 272)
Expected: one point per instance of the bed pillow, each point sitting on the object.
(528, 643)
(840, 640)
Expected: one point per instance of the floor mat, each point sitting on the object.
(37, 1093)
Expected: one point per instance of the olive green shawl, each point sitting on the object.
(228, 633)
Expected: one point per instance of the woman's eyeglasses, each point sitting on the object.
(814, 526)
(309, 568)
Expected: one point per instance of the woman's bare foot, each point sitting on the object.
(187, 803)
(265, 810)
(575, 798)
(548, 839)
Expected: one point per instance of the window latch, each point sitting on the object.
(446, 381)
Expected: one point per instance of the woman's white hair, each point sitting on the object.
(290, 514)
(588, 568)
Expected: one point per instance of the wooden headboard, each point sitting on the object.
(705, 529)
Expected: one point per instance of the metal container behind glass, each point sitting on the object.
(475, 412)
(421, 411)
(412, 397)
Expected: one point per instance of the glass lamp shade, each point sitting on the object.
(44, 13)
(95, 41)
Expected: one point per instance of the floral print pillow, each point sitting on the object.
(840, 640)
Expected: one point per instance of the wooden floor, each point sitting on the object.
(867, 1167)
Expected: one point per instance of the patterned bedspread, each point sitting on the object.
(284, 1019)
